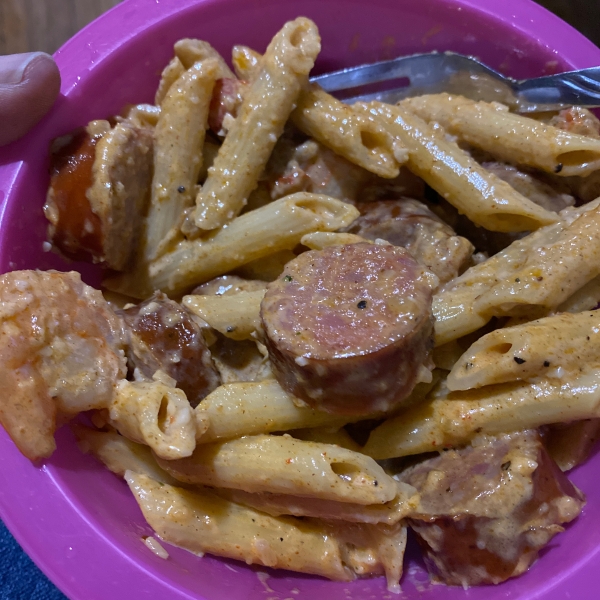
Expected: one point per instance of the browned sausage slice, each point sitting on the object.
(348, 327)
(409, 223)
(226, 100)
(487, 510)
(163, 335)
(98, 190)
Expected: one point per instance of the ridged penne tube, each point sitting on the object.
(246, 62)
(283, 465)
(454, 420)
(200, 521)
(190, 51)
(261, 117)
(142, 115)
(276, 505)
(359, 138)
(171, 73)
(119, 454)
(327, 434)
(323, 239)
(236, 316)
(371, 547)
(530, 276)
(585, 298)
(178, 142)
(153, 413)
(261, 232)
(510, 137)
(554, 344)
(267, 268)
(249, 408)
(372, 550)
(480, 195)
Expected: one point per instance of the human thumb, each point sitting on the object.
(29, 84)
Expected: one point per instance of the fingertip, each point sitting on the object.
(42, 67)
(29, 85)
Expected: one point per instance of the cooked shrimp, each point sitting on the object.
(61, 352)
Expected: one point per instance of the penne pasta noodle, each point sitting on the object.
(119, 454)
(179, 139)
(283, 465)
(156, 414)
(277, 505)
(374, 549)
(201, 521)
(480, 195)
(322, 239)
(510, 137)
(190, 51)
(530, 276)
(554, 344)
(261, 232)
(142, 115)
(266, 268)
(236, 316)
(171, 73)
(261, 117)
(246, 62)
(359, 138)
(327, 434)
(249, 408)
(455, 419)
(585, 298)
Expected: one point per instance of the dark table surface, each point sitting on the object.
(27, 25)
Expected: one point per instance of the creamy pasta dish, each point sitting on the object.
(321, 324)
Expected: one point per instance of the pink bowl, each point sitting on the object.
(77, 521)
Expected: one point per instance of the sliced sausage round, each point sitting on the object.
(486, 511)
(409, 223)
(348, 327)
(163, 335)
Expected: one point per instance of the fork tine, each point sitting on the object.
(363, 74)
(403, 66)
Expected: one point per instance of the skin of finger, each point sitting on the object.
(23, 104)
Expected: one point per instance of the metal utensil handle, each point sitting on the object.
(581, 88)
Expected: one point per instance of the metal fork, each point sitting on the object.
(454, 73)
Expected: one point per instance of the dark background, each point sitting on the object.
(27, 25)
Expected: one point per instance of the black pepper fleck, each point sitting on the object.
(288, 278)
(519, 360)
(546, 363)
(506, 466)
(558, 168)
(230, 328)
(376, 483)
(362, 304)
(281, 539)
(181, 189)
(517, 280)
